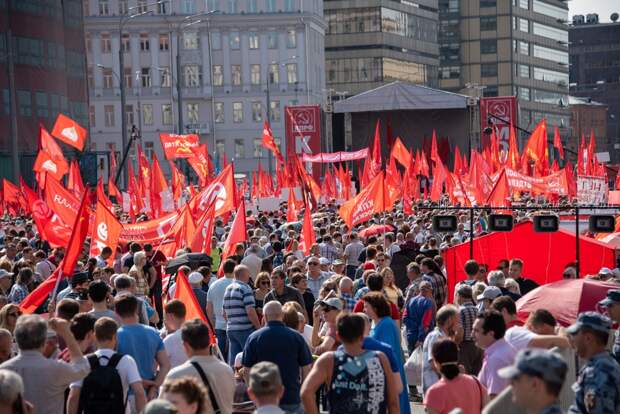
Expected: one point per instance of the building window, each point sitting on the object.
(145, 76)
(553, 33)
(128, 77)
(488, 3)
(257, 111)
(523, 71)
(488, 23)
(123, 7)
(106, 46)
(524, 4)
(253, 6)
(255, 74)
(41, 102)
(161, 8)
(88, 43)
(142, 6)
(488, 69)
(90, 77)
(193, 113)
(218, 75)
(92, 116)
(192, 74)
(144, 42)
(490, 90)
(253, 40)
(449, 72)
(524, 47)
(164, 42)
(129, 114)
(234, 40)
(548, 75)
(125, 42)
(239, 149)
(108, 111)
(291, 73)
(147, 114)
(488, 46)
(258, 147)
(190, 40)
(274, 73)
(550, 10)
(220, 148)
(166, 114)
(216, 40)
(275, 111)
(220, 116)
(104, 8)
(272, 40)
(555, 55)
(188, 7)
(237, 112)
(165, 80)
(291, 39)
(288, 5)
(107, 78)
(271, 6)
(235, 75)
(232, 7)
(524, 93)
(524, 25)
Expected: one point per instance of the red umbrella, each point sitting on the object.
(565, 299)
(375, 229)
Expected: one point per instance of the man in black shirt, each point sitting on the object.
(515, 269)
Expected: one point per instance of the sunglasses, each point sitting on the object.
(313, 263)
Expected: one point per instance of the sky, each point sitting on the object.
(604, 8)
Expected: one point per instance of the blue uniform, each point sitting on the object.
(597, 389)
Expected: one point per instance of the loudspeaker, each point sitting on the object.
(444, 224)
(602, 224)
(546, 224)
(501, 222)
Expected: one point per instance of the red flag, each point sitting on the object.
(434, 150)
(400, 153)
(201, 241)
(185, 294)
(61, 201)
(161, 199)
(69, 132)
(113, 165)
(178, 146)
(45, 164)
(237, 234)
(183, 229)
(105, 232)
(537, 149)
(178, 181)
(582, 157)
(102, 197)
(40, 294)
(500, 195)
(200, 163)
(270, 143)
(439, 177)
(307, 239)
(375, 157)
(222, 190)
(362, 207)
(557, 142)
(75, 183)
(10, 192)
(76, 242)
(291, 209)
(113, 191)
(590, 162)
(513, 150)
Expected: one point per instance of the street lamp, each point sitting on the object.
(184, 24)
(121, 64)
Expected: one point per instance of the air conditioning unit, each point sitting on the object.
(578, 19)
(592, 18)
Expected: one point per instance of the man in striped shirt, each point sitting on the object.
(240, 312)
(470, 356)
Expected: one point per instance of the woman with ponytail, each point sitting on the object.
(454, 389)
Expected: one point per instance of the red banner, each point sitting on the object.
(178, 146)
(555, 183)
(591, 190)
(499, 112)
(152, 231)
(302, 125)
(336, 156)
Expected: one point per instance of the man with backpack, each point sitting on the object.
(105, 389)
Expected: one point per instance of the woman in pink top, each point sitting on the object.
(454, 389)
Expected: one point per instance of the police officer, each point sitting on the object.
(597, 389)
(612, 303)
(536, 377)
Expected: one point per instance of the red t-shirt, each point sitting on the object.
(359, 307)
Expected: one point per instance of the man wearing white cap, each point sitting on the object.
(195, 280)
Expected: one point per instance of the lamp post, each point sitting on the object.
(121, 64)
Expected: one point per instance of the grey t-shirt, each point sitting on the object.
(109, 313)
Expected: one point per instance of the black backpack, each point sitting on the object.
(102, 389)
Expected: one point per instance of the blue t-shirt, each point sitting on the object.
(371, 344)
(284, 347)
(142, 343)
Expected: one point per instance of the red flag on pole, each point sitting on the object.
(237, 234)
(557, 142)
(500, 195)
(69, 132)
(105, 232)
(185, 294)
(308, 238)
(76, 242)
(270, 143)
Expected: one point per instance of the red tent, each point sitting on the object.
(578, 295)
(544, 255)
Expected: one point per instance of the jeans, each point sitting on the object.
(236, 343)
(292, 408)
(222, 341)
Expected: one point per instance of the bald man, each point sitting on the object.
(345, 287)
(284, 347)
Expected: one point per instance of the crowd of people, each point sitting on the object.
(358, 325)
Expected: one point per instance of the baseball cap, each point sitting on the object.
(613, 297)
(605, 271)
(79, 278)
(324, 261)
(4, 273)
(338, 262)
(265, 378)
(238, 360)
(195, 277)
(541, 363)
(592, 320)
(332, 302)
(490, 292)
(160, 406)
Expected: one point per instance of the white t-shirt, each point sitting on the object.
(126, 367)
(519, 337)
(173, 344)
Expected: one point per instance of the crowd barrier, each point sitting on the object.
(503, 404)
